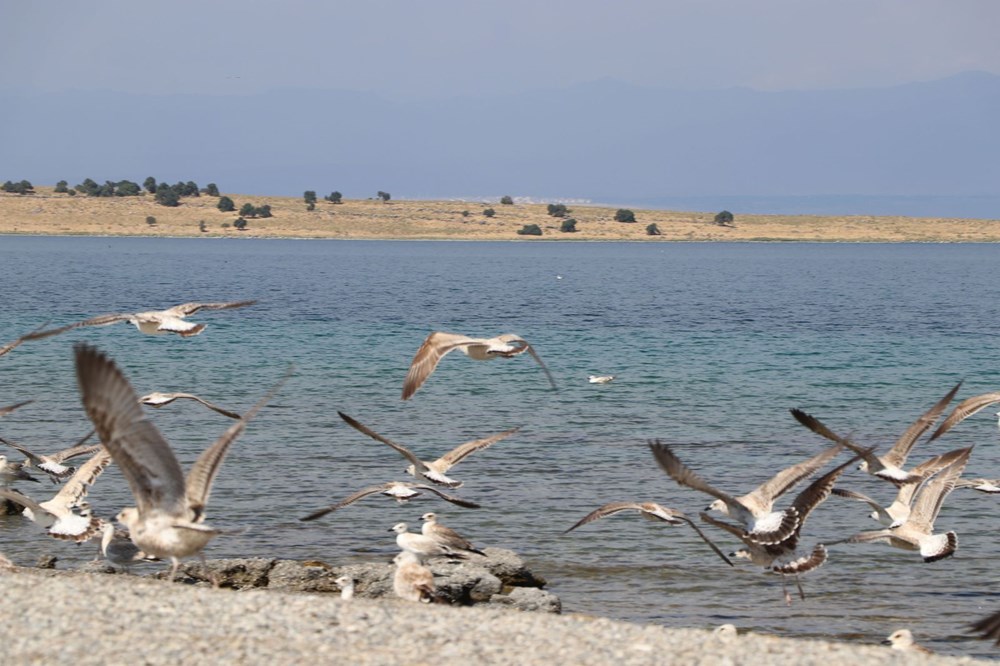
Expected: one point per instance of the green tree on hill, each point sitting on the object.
(568, 226)
(506, 200)
(167, 196)
(557, 210)
(384, 196)
(624, 215)
(309, 196)
(211, 190)
(334, 197)
(724, 218)
(263, 211)
(248, 210)
(652, 230)
(150, 185)
(489, 212)
(530, 230)
(61, 187)
(226, 204)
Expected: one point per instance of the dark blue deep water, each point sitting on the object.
(711, 345)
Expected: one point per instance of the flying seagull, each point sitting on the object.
(436, 470)
(398, 490)
(153, 322)
(52, 464)
(439, 344)
(157, 400)
(168, 519)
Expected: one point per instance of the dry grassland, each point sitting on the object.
(47, 213)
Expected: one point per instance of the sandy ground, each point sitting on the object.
(80, 619)
(46, 213)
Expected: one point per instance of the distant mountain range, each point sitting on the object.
(921, 148)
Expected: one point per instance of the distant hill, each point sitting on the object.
(606, 141)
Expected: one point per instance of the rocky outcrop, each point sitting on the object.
(500, 578)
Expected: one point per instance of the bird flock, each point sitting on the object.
(168, 519)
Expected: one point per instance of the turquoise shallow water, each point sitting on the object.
(711, 345)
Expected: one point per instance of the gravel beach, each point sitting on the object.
(76, 618)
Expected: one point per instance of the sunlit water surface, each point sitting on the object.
(711, 344)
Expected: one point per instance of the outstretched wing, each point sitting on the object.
(433, 349)
(350, 499)
(680, 473)
(814, 424)
(145, 458)
(460, 452)
(901, 449)
(788, 478)
(964, 410)
(76, 488)
(186, 309)
(417, 462)
(610, 509)
(10, 408)
(199, 479)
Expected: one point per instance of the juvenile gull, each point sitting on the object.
(52, 464)
(890, 465)
(157, 400)
(59, 515)
(423, 547)
(991, 486)
(439, 344)
(917, 531)
(152, 322)
(902, 640)
(445, 536)
(401, 491)
(896, 513)
(168, 520)
(650, 511)
(763, 527)
(118, 549)
(412, 580)
(964, 410)
(434, 471)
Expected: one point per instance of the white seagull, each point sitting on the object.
(917, 531)
(168, 520)
(400, 491)
(153, 322)
(412, 580)
(438, 344)
(434, 471)
(650, 511)
(346, 585)
(67, 516)
(422, 546)
(157, 400)
(600, 379)
(902, 640)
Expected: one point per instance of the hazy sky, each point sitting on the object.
(458, 47)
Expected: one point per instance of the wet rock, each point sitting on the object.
(465, 584)
(239, 574)
(295, 576)
(47, 562)
(510, 568)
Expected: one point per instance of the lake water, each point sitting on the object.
(711, 345)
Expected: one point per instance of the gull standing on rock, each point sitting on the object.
(445, 536)
(439, 344)
(423, 547)
(434, 471)
(153, 322)
(346, 585)
(168, 520)
(157, 400)
(650, 511)
(412, 580)
(400, 491)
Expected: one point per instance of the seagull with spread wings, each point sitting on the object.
(52, 464)
(400, 491)
(439, 344)
(168, 519)
(152, 322)
(434, 471)
(157, 400)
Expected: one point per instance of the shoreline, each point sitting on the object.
(100, 618)
(50, 214)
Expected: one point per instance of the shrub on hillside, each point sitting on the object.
(489, 212)
(724, 218)
(334, 197)
(557, 210)
(530, 230)
(624, 215)
(568, 226)
(226, 205)
(652, 230)
(507, 201)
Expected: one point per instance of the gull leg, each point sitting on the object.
(784, 588)
(798, 583)
(216, 584)
(173, 568)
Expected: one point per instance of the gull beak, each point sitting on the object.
(887, 642)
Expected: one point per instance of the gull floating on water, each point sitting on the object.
(890, 465)
(445, 536)
(600, 379)
(168, 519)
(434, 471)
(917, 531)
(650, 511)
(157, 400)
(763, 527)
(400, 491)
(412, 580)
(902, 640)
(153, 322)
(58, 515)
(52, 464)
(439, 344)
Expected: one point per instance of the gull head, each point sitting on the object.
(863, 465)
(718, 505)
(899, 639)
(742, 553)
(399, 528)
(429, 516)
(128, 517)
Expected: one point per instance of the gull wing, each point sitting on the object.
(964, 410)
(704, 537)
(23, 500)
(144, 456)
(76, 488)
(901, 449)
(433, 349)
(737, 532)
(418, 464)
(538, 360)
(804, 564)
(926, 470)
(350, 499)
(684, 476)
(10, 408)
(883, 515)
(445, 496)
(788, 478)
(988, 627)
(99, 320)
(459, 453)
(173, 324)
(814, 424)
(35, 459)
(157, 400)
(81, 448)
(199, 480)
(186, 309)
(526, 347)
(817, 492)
(36, 334)
(611, 508)
(928, 502)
